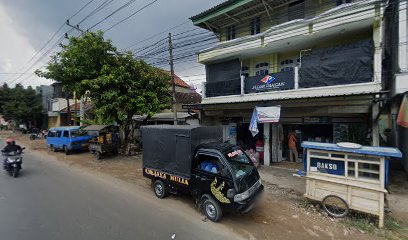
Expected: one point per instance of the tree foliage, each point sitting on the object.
(82, 58)
(128, 87)
(118, 85)
(19, 104)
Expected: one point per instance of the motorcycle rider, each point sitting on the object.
(11, 146)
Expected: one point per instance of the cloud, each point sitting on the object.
(15, 48)
(26, 25)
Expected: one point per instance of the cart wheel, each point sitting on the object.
(97, 155)
(335, 206)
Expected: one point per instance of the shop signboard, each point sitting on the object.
(271, 82)
(263, 115)
(327, 166)
(316, 120)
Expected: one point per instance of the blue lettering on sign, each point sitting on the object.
(328, 166)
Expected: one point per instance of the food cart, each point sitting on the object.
(347, 176)
(104, 140)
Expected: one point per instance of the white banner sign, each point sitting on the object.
(262, 115)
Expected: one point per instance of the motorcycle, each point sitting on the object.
(14, 160)
(34, 136)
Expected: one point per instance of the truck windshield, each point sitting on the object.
(77, 133)
(240, 163)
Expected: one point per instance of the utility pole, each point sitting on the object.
(81, 107)
(76, 27)
(173, 80)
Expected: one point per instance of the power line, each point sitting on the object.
(82, 8)
(48, 42)
(157, 34)
(113, 13)
(131, 15)
(96, 10)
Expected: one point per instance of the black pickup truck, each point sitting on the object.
(220, 176)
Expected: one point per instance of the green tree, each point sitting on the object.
(22, 105)
(128, 87)
(4, 95)
(81, 59)
(119, 86)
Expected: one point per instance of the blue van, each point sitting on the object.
(67, 139)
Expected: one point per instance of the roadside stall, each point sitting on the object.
(347, 176)
(104, 140)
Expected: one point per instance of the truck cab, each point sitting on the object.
(223, 171)
(220, 176)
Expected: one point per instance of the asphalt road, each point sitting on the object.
(51, 200)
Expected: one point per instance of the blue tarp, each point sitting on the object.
(367, 150)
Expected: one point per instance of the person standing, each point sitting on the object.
(292, 147)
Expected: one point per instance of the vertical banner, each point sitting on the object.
(253, 125)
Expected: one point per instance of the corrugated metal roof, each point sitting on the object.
(215, 8)
(95, 127)
(65, 128)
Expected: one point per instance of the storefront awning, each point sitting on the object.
(402, 119)
(262, 115)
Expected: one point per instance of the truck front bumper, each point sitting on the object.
(248, 204)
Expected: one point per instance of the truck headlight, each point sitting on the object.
(241, 197)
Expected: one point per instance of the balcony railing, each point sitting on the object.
(272, 82)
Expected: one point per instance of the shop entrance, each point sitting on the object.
(306, 132)
(248, 142)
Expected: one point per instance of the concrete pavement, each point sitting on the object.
(51, 200)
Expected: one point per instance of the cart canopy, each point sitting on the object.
(170, 148)
(366, 150)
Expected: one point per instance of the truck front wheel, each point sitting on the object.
(160, 189)
(212, 210)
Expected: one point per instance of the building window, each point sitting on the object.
(230, 33)
(296, 10)
(261, 72)
(255, 26)
(339, 2)
(261, 68)
(286, 69)
(289, 64)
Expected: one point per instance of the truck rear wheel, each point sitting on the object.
(160, 189)
(212, 209)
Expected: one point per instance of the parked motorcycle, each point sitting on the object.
(14, 160)
(34, 136)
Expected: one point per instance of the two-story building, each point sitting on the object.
(320, 60)
(396, 72)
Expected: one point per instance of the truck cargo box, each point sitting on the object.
(170, 148)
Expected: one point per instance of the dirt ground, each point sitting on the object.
(281, 214)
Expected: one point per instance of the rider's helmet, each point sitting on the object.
(9, 141)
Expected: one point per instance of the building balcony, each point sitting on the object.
(295, 34)
(285, 85)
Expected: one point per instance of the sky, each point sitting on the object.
(26, 25)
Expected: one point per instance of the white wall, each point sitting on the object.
(57, 104)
